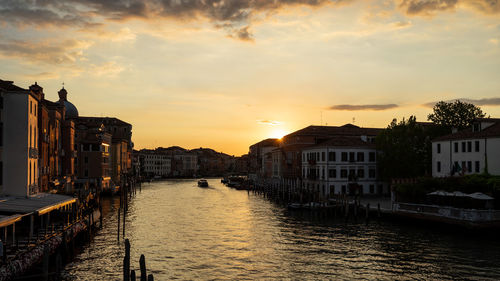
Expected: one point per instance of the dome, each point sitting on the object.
(71, 111)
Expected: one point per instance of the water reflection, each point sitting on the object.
(188, 232)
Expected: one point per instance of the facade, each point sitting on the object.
(472, 151)
(259, 157)
(155, 164)
(93, 165)
(342, 165)
(19, 140)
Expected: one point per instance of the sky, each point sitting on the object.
(226, 74)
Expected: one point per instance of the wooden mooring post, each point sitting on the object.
(142, 263)
(367, 211)
(126, 262)
(118, 233)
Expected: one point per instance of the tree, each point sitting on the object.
(455, 114)
(405, 149)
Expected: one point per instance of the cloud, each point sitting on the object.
(353, 107)
(493, 41)
(110, 69)
(269, 122)
(478, 102)
(236, 15)
(431, 7)
(48, 51)
(42, 76)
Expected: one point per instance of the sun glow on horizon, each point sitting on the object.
(278, 133)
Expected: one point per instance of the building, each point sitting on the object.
(155, 163)
(260, 157)
(93, 159)
(344, 164)
(471, 151)
(292, 145)
(18, 140)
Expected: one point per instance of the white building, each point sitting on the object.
(339, 164)
(18, 140)
(156, 163)
(471, 151)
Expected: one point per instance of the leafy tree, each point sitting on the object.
(405, 149)
(455, 114)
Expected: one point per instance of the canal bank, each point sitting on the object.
(192, 233)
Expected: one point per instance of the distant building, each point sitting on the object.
(471, 151)
(155, 163)
(18, 140)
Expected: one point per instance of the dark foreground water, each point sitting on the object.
(190, 233)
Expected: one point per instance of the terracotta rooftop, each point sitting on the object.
(345, 130)
(489, 132)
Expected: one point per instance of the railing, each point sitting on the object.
(472, 215)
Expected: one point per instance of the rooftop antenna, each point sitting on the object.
(321, 112)
(353, 120)
(63, 84)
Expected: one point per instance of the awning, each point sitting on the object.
(40, 204)
(9, 220)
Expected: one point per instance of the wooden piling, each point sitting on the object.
(126, 261)
(123, 223)
(132, 275)
(378, 210)
(142, 263)
(118, 235)
(150, 277)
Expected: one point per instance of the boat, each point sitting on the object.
(202, 183)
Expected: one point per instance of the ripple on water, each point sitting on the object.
(189, 233)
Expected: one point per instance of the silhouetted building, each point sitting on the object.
(18, 140)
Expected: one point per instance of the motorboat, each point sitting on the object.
(202, 183)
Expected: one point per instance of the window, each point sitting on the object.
(343, 173)
(476, 144)
(463, 166)
(322, 156)
(332, 173)
(86, 160)
(476, 170)
(371, 156)
(456, 147)
(372, 188)
(463, 146)
(455, 166)
(351, 157)
(372, 173)
(344, 156)
(331, 156)
(352, 174)
(469, 146)
(344, 189)
(469, 166)
(322, 173)
(361, 157)
(476, 127)
(361, 173)
(438, 167)
(86, 172)
(438, 148)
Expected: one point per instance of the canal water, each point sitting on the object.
(217, 233)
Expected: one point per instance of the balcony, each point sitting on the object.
(312, 162)
(33, 153)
